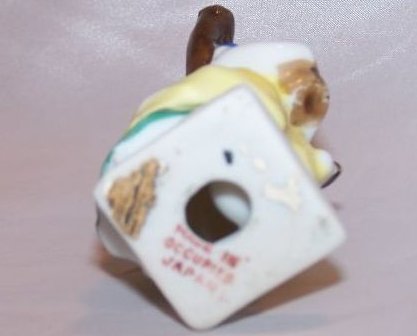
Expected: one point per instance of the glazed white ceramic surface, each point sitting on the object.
(289, 228)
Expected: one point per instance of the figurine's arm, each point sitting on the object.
(215, 26)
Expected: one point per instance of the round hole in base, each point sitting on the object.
(218, 210)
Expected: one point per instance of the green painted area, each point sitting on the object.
(153, 117)
(139, 126)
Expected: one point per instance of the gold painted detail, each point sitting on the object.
(302, 79)
(132, 197)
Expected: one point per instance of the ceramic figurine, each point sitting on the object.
(240, 123)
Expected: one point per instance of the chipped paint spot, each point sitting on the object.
(289, 194)
(260, 164)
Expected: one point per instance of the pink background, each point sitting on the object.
(71, 75)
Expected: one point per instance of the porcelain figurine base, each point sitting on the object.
(284, 227)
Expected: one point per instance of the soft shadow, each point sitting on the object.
(318, 277)
(274, 324)
(133, 277)
(337, 206)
